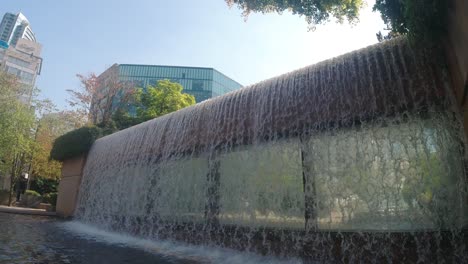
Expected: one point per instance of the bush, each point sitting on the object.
(50, 198)
(74, 143)
(32, 193)
(44, 185)
(30, 199)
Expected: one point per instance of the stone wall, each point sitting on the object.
(69, 186)
(457, 53)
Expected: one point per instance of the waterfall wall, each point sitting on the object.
(358, 157)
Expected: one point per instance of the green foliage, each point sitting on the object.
(32, 193)
(164, 98)
(50, 198)
(44, 185)
(107, 127)
(314, 11)
(16, 121)
(74, 143)
(31, 199)
(49, 127)
(123, 119)
(16, 126)
(154, 101)
(423, 20)
(429, 188)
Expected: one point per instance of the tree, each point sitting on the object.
(152, 102)
(27, 131)
(422, 20)
(98, 96)
(122, 119)
(11, 110)
(315, 12)
(16, 123)
(82, 98)
(50, 126)
(162, 99)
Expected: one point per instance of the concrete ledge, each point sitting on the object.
(27, 211)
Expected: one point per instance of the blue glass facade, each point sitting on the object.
(203, 83)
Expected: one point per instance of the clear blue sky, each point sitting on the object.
(86, 36)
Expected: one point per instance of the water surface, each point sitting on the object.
(36, 239)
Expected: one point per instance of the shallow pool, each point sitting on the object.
(36, 239)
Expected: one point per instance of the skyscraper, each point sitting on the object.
(14, 27)
(19, 52)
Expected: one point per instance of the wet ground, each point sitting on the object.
(48, 240)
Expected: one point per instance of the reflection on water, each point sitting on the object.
(34, 239)
(28, 239)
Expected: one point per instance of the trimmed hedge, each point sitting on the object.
(32, 193)
(74, 143)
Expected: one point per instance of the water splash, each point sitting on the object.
(171, 249)
(360, 157)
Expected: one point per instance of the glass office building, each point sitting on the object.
(203, 83)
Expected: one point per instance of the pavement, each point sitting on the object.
(27, 211)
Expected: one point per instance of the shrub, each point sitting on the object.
(51, 198)
(74, 143)
(44, 185)
(30, 199)
(32, 193)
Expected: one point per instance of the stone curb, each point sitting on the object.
(27, 211)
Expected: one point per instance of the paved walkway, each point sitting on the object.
(22, 210)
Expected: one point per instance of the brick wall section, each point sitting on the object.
(69, 186)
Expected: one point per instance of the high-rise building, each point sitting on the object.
(20, 54)
(24, 62)
(14, 27)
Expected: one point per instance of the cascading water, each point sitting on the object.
(358, 158)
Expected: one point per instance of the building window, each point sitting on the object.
(13, 71)
(18, 62)
(197, 85)
(23, 76)
(27, 77)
